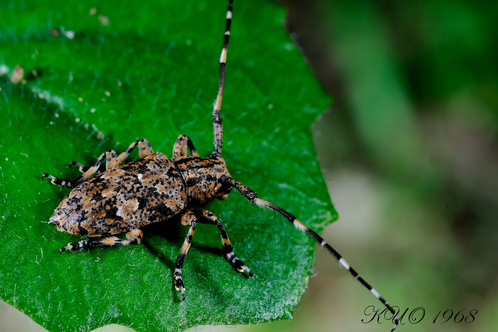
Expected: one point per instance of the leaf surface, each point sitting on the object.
(150, 70)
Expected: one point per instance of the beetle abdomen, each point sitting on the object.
(129, 196)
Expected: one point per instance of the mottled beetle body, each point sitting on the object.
(124, 198)
(128, 196)
(140, 193)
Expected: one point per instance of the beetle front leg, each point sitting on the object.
(190, 218)
(209, 218)
(180, 148)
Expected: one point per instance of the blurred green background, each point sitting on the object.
(413, 173)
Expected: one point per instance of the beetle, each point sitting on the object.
(128, 196)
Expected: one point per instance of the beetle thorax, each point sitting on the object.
(204, 178)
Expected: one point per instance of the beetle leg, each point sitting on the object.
(209, 218)
(144, 150)
(82, 168)
(110, 163)
(180, 147)
(114, 161)
(132, 237)
(111, 160)
(58, 182)
(205, 217)
(188, 218)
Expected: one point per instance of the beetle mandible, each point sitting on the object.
(127, 197)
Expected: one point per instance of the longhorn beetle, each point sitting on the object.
(126, 197)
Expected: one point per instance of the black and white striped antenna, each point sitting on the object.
(253, 197)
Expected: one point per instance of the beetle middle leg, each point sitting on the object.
(144, 150)
(190, 218)
(111, 162)
(82, 168)
(180, 147)
(132, 237)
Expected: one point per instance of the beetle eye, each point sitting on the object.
(226, 187)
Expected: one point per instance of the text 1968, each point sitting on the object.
(418, 314)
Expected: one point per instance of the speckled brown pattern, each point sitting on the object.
(124, 198)
(130, 196)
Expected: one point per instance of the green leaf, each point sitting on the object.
(151, 71)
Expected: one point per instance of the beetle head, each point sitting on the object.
(206, 178)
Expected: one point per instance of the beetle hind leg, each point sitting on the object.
(59, 182)
(132, 237)
(111, 161)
